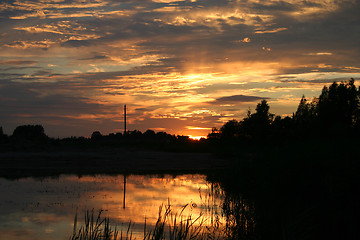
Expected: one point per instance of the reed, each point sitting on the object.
(94, 228)
(178, 226)
(170, 225)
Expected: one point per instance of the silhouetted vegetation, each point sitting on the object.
(335, 113)
(3, 137)
(29, 132)
(25, 137)
(169, 225)
(33, 138)
(295, 177)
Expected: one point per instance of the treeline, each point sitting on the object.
(334, 114)
(33, 137)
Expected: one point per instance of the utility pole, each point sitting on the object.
(124, 119)
(124, 191)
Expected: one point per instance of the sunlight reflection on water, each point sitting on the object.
(45, 208)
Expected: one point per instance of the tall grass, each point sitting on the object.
(176, 225)
(94, 228)
(170, 225)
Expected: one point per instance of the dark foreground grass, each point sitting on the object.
(95, 228)
(169, 225)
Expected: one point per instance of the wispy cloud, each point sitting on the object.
(17, 62)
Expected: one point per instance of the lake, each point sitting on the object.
(45, 208)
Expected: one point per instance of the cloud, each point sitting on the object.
(319, 54)
(76, 43)
(270, 31)
(96, 57)
(44, 44)
(18, 62)
(238, 98)
(17, 65)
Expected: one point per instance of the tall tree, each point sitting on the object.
(30, 132)
(230, 129)
(305, 117)
(338, 105)
(258, 123)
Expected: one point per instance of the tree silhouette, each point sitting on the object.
(338, 106)
(3, 136)
(230, 129)
(215, 133)
(96, 136)
(282, 127)
(1, 133)
(149, 133)
(29, 132)
(336, 111)
(305, 118)
(305, 110)
(262, 113)
(258, 123)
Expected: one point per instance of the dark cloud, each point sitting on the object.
(148, 109)
(274, 6)
(42, 73)
(15, 77)
(238, 98)
(76, 43)
(36, 99)
(18, 62)
(95, 57)
(114, 93)
(317, 81)
(19, 68)
(311, 4)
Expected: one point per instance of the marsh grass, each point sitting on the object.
(95, 228)
(176, 225)
(170, 225)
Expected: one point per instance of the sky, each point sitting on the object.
(180, 66)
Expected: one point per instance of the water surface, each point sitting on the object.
(45, 208)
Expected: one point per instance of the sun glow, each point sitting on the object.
(196, 137)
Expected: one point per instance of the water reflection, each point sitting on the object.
(45, 209)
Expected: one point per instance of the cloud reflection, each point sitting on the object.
(44, 209)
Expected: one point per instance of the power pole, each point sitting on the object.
(124, 119)
(124, 191)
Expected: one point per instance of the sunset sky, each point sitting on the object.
(180, 66)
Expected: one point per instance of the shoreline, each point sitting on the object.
(37, 164)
